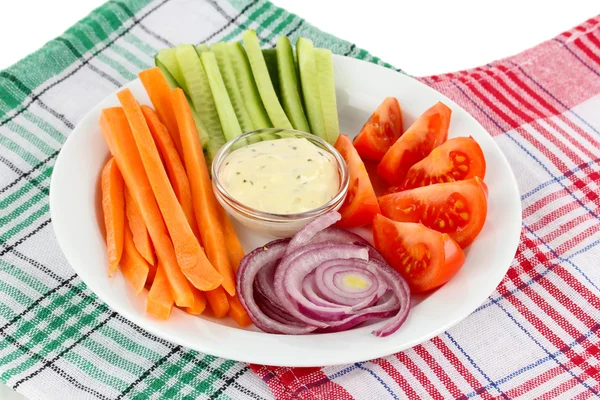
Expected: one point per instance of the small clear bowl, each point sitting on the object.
(269, 224)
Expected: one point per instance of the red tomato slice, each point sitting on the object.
(425, 134)
(361, 203)
(425, 258)
(456, 208)
(458, 159)
(381, 131)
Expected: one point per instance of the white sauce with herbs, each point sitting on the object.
(283, 176)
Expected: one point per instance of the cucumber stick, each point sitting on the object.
(168, 60)
(198, 89)
(222, 54)
(173, 84)
(201, 48)
(309, 80)
(326, 85)
(229, 123)
(247, 86)
(288, 83)
(165, 71)
(263, 81)
(270, 56)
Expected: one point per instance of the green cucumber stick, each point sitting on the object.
(288, 82)
(247, 86)
(309, 81)
(324, 61)
(221, 52)
(263, 81)
(229, 123)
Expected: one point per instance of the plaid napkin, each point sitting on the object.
(537, 335)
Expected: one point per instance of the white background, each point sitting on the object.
(421, 37)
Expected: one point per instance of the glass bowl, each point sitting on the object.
(270, 224)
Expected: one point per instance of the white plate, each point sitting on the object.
(360, 86)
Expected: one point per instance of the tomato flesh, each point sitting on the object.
(457, 159)
(425, 258)
(360, 204)
(381, 131)
(426, 133)
(456, 208)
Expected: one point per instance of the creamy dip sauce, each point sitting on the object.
(283, 176)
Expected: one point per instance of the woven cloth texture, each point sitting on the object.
(536, 335)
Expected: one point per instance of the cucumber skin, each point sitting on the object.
(229, 123)
(309, 81)
(165, 71)
(201, 48)
(168, 58)
(245, 79)
(263, 81)
(288, 82)
(222, 54)
(201, 97)
(270, 56)
(324, 62)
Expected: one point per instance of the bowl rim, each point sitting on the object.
(251, 212)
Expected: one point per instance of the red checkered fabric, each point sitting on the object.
(537, 334)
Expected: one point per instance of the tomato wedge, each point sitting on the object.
(456, 208)
(426, 133)
(425, 258)
(361, 203)
(381, 131)
(458, 159)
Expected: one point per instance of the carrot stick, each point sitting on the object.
(234, 247)
(133, 266)
(205, 204)
(217, 300)
(113, 205)
(158, 90)
(141, 237)
(173, 164)
(151, 276)
(237, 312)
(199, 303)
(117, 133)
(160, 299)
(190, 256)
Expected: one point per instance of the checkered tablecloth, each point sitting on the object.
(536, 336)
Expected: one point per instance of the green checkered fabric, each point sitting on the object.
(57, 339)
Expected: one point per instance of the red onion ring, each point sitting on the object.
(324, 279)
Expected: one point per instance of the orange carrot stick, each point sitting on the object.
(113, 205)
(205, 204)
(237, 312)
(133, 266)
(190, 256)
(117, 133)
(173, 164)
(141, 237)
(217, 300)
(160, 298)
(234, 247)
(158, 90)
(199, 303)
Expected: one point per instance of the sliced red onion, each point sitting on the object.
(305, 235)
(249, 267)
(324, 279)
(335, 234)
